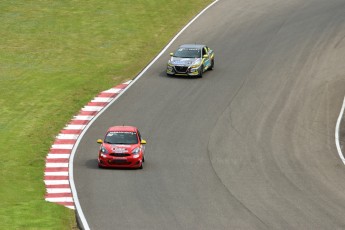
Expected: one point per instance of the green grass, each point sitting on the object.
(55, 56)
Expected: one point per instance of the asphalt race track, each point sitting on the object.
(251, 145)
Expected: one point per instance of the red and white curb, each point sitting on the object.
(56, 175)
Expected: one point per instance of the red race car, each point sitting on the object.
(122, 148)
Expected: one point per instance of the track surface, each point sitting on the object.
(250, 145)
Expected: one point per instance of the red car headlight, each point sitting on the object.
(136, 151)
(103, 151)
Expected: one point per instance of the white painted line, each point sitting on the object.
(59, 199)
(58, 156)
(67, 136)
(127, 82)
(83, 118)
(56, 173)
(337, 141)
(76, 127)
(56, 165)
(62, 146)
(92, 108)
(102, 99)
(80, 212)
(58, 190)
(112, 90)
(55, 182)
(70, 207)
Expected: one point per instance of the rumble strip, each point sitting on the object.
(56, 176)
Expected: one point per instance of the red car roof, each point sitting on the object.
(122, 129)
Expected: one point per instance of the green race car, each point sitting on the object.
(190, 60)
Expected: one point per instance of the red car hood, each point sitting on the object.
(120, 148)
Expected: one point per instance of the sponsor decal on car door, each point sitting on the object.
(207, 60)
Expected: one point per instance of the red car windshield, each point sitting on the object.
(126, 138)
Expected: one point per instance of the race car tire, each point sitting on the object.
(141, 165)
(201, 71)
(212, 65)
